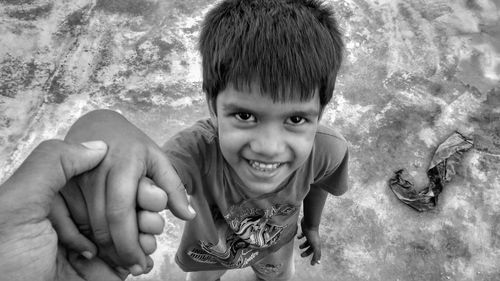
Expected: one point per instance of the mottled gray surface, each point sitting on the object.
(415, 71)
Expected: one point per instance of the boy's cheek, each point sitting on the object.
(231, 138)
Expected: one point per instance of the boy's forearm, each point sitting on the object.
(313, 206)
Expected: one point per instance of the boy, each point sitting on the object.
(269, 70)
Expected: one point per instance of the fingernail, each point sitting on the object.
(191, 210)
(136, 270)
(88, 255)
(95, 145)
(318, 262)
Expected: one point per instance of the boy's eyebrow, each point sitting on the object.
(234, 107)
(307, 112)
(310, 112)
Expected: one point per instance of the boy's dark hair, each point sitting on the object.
(289, 47)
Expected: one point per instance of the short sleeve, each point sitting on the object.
(331, 158)
(190, 153)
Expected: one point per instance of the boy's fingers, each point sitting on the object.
(165, 176)
(150, 222)
(316, 256)
(67, 232)
(150, 197)
(304, 245)
(122, 272)
(307, 252)
(121, 193)
(149, 264)
(148, 243)
(300, 236)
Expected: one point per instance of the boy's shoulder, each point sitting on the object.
(193, 152)
(204, 126)
(331, 138)
(203, 130)
(329, 160)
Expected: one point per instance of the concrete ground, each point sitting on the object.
(415, 71)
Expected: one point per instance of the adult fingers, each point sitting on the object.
(75, 203)
(150, 197)
(79, 211)
(93, 188)
(164, 175)
(122, 184)
(67, 231)
(94, 269)
(77, 207)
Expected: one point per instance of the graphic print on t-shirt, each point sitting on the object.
(243, 233)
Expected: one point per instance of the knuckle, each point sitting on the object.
(135, 152)
(85, 229)
(101, 236)
(163, 196)
(68, 237)
(116, 214)
(50, 149)
(50, 145)
(128, 254)
(145, 182)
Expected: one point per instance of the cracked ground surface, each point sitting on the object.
(415, 71)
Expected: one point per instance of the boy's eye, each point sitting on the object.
(244, 116)
(296, 120)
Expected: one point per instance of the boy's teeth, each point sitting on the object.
(264, 166)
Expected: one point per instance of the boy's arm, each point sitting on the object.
(313, 208)
(110, 190)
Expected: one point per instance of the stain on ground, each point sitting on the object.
(131, 7)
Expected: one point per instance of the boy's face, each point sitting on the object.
(264, 142)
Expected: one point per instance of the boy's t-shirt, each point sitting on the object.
(231, 230)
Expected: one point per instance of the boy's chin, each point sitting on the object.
(256, 183)
(255, 188)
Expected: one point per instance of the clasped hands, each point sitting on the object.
(103, 199)
(118, 221)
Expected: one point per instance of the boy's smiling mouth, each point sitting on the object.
(264, 167)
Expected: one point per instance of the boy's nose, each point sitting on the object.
(268, 142)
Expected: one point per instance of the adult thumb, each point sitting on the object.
(49, 166)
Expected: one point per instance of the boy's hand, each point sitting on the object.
(110, 190)
(312, 244)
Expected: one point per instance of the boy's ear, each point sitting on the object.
(212, 110)
(321, 111)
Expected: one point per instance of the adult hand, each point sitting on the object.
(312, 244)
(110, 191)
(28, 243)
